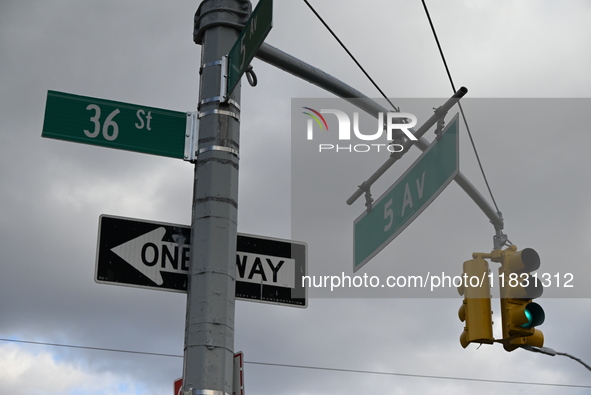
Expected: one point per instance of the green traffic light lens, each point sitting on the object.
(529, 319)
(534, 314)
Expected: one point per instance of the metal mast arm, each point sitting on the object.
(314, 75)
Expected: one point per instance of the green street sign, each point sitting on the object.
(115, 124)
(248, 43)
(407, 197)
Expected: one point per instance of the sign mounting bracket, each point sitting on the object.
(191, 136)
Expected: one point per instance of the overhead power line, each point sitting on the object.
(460, 106)
(418, 375)
(92, 348)
(305, 366)
(351, 55)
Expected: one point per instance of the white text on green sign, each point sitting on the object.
(248, 43)
(407, 197)
(113, 124)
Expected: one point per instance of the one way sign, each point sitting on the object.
(155, 255)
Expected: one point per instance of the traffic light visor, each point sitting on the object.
(524, 286)
(524, 261)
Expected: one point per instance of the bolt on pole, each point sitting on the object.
(209, 328)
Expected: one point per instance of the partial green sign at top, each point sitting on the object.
(249, 41)
(113, 124)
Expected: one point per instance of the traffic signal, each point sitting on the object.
(475, 310)
(518, 287)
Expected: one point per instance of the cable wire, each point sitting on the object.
(460, 106)
(417, 375)
(304, 366)
(92, 348)
(351, 55)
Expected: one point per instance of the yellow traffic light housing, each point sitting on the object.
(476, 308)
(518, 287)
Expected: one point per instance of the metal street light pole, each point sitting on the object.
(209, 330)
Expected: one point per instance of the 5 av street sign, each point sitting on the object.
(148, 254)
(113, 124)
(248, 43)
(406, 199)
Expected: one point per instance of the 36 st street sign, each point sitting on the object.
(113, 124)
(155, 255)
(406, 199)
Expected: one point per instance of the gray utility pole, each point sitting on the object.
(209, 331)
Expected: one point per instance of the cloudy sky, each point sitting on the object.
(526, 67)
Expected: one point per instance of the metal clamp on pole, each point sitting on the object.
(232, 114)
(209, 64)
(440, 123)
(192, 135)
(368, 198)
(500, 239)
(217, 148)
(192, 150)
